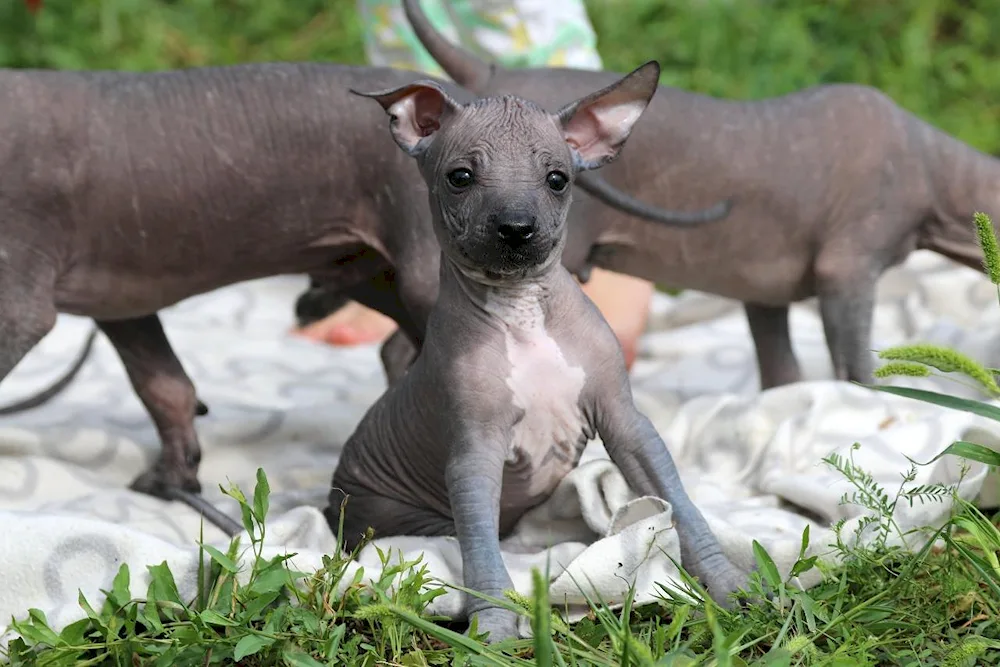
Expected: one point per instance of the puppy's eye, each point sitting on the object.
(557, 181)
(460, 178)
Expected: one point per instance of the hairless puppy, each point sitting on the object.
(831, 186)
(124, 193)
(518, 368)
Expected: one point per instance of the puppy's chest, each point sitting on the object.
(546, 390)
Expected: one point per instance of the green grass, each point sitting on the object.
(878, 605)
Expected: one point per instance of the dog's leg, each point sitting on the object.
(380, 293)
(418, 270)
(644, 460)
(398, 351)
(474, 478)
(847, 305)
(317, 302)
(775, 357)
(169, 396)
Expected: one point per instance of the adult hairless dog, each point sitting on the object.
(123, 193)
(518, 369)
(832, 185)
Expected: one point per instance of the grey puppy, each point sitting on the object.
(518, 370)
(831, 186)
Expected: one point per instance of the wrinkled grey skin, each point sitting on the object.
(124, 193)
(208, 96)
(830, 186)
(518, 369)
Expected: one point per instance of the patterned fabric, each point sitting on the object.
(750, 460)
(517, 33)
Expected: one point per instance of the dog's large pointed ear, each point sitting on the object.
(416, 111)
(597, 125)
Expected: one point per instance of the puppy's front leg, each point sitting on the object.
(475, 477)
(636, 448)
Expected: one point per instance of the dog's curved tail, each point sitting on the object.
(463, 66)
(612, 196)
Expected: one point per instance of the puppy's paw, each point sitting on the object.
(500, 623)
(723, 580)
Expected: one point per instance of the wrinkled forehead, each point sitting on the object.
(505, 128)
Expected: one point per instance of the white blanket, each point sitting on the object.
(752, 461)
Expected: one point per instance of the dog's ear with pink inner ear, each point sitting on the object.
(596, 126)
(416, 111)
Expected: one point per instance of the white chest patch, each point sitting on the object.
(547, 389)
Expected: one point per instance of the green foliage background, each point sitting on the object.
(934, 57)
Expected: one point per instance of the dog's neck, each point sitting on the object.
(518, 301)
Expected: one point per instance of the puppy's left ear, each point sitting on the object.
(596, 126)
(416, 111)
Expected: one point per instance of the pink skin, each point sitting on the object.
(623, 300)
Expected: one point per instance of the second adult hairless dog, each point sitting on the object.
(830, 186)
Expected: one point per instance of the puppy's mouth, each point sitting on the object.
(503, 259)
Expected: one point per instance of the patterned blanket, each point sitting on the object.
(752, 461)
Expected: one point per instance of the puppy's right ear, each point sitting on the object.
(416, 111)
(597, 126)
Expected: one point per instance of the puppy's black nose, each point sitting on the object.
(516, 232)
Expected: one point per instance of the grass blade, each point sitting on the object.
(766, 564)
(450, 637)
(944, 400)
(970, 451)
(542, 621)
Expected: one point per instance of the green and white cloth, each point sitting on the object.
(515, 33)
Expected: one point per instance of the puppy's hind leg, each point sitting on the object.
(169, 396)
(386, 517)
